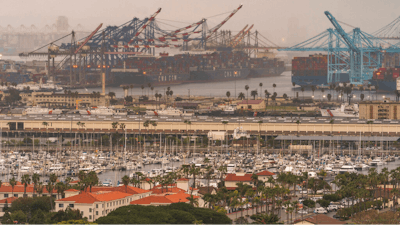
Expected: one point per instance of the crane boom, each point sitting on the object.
(145, 25)
(185, 28)
(88, 38)
(238, 34)
(242, 36)
(342, 33)
(213, 30)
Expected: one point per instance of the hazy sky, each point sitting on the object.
(270, 17)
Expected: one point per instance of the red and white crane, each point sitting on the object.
(242, 36)
(88, 38)
(213, 30)
(174, 33)
(145, 25)
(237, 35)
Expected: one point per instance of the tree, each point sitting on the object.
(294, 84)
(228, 94)
(260, 85)
(246, 87)
(267, 94)
(6, 218)
(302, 91)
(193, 201)
(49, 188)
(12, 182)
(254, 94)
(241, 96)
(329, 96)
(25, 180)
(313, 89)
(35, 180)
(91, 180)
(60, 187)
(126, 181)
(285, 96)
(274, 86)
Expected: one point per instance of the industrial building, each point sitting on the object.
(50, 99)
(379, 110)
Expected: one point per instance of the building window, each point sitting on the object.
(5, 195)
(16, 195)
(90, 209)
(71, 205)
(61, 205)
(97, 206)
(97, 213)
(90, 217)
(82, 213)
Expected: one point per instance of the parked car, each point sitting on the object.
(320, 210)
(302, 211)
(332, 208)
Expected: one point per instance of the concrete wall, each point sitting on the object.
(270, 128)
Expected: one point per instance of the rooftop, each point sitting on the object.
(91, 197)
(163, 199)
(234, 177)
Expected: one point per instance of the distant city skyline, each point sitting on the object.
(271, 18)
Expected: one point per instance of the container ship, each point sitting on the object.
(313, 71)
(385, 78)
(193, 67)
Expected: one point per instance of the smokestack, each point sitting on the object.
(103, 89)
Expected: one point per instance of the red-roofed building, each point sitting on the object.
(251, 104)
(264, 176)
(96, 204)
(7, 191)
(163, 199)
(3, 204)
(231, 179)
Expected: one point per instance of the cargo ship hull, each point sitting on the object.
(309, 80)
(266, 72)
(138, 78)
(384, 85)
(218, 75)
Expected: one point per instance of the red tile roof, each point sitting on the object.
(323, 219)
(20, 189)
(131, 190)
(9, 200)
(265, 173)
(182, 179)
(233, 177)
(165, 199)
(71, 190)
(100, 196)
(245, 102)
(166, 190)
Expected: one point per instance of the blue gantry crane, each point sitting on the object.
(356, 53)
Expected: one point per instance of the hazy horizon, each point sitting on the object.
(284, 22)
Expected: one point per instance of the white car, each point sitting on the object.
(332, 208)
(320, 211)
(302, 211)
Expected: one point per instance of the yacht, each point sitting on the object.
(170, 111)
(101, 110)
(345, 110)
(347, 168)
(37, 110)
(376, 162)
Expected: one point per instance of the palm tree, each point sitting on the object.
(194, 171)
(228, 94)
(302, 90)
(12, 182)
(241, 95)
(49, 188)
(39, 188)
(25, 180)
(142, 87)
(91, 180)
(274, 86)
(131, 86)
(260, 84)
(35, 180)
(313, 89)
(285, 96)
(254, 94)
(247, 89)
(193, 201)
(126, 181)
(293, 84)
(267, 94)
(60, 187)
(329, 96)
